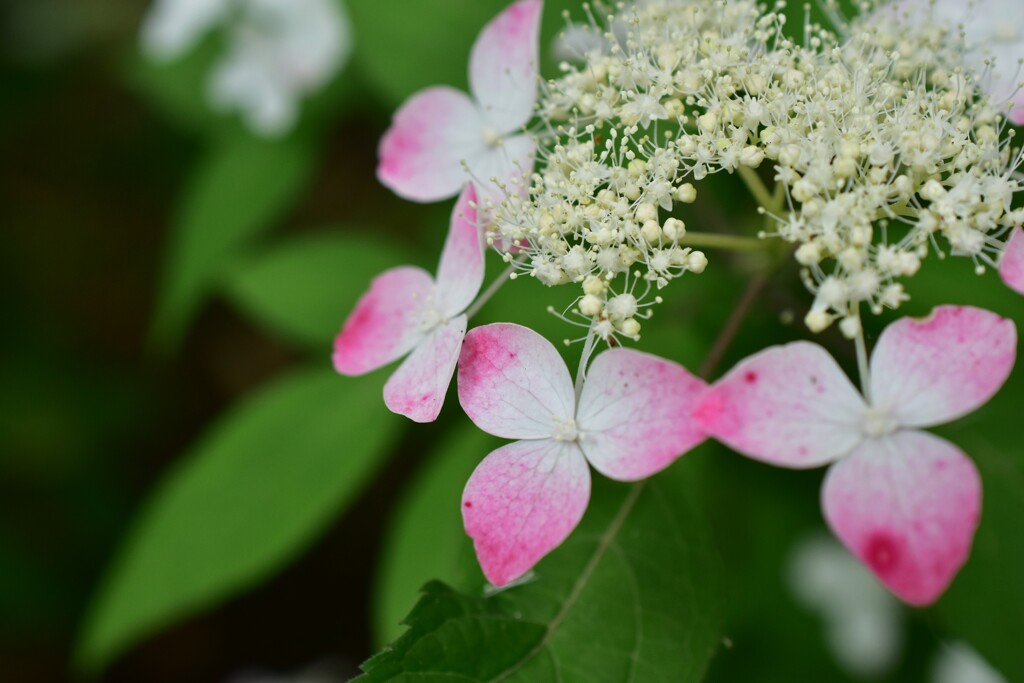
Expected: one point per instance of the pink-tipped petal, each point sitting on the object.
(513, 383)
(1011, 265)
(907, 506)
(521, 502)
(503, 67)
(787, 405)
(418, 387)
(927, 372)
(432, 133)
(385, 323)
(1017, 112)
(635, 414)
(461, 270)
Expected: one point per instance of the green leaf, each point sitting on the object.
(253, 493)
(425, 539)
(302, 289)
(435, 38)
(239, 190)
(631, 596)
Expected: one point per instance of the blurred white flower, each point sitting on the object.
(958, 663)
(863, 623)
(278, 51)
(320, 672)
(993, 36)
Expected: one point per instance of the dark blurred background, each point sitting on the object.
(90, 418)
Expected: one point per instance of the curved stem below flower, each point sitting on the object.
(493, 288)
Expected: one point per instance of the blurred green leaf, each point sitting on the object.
(253, 493)
(302, 289)
(425, 539)
(632, 595)
(239, 190)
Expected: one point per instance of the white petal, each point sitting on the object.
(635, 413)
(521, 502)
(787, 405)
(503, 67)
(513, 383)
(461, 270)
(421, 154)
(418, 387)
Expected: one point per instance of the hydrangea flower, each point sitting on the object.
(406, 311)
(279, 51)
(628, 421)
(440, 129)
(904, 502)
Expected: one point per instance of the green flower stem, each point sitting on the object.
(770, 202)
(863, 367)
(493, 288)
(709, 240)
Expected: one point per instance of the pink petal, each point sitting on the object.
(421, 153)
(907, 506)
(1011, 266)
(931, 371)
(1017, 112)
(461, 271)
(503, 68)
(635, 413)
(787, 405)
(513, 383)
(385, 323)
(522, 501)
(418, 387)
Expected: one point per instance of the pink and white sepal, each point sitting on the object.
(406, 311)
(441, 132)
(525, 498)
(1011, 264)
(906, 503)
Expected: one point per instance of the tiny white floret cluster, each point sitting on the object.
(881, 143)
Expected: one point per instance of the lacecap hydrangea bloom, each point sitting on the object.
(887, 146)
(279, 51)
